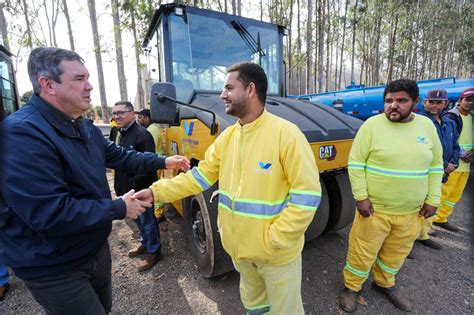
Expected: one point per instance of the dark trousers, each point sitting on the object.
(149, 230)
(84, 290)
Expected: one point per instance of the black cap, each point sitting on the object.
(144, 112)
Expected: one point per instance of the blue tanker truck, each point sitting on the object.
(363, 102)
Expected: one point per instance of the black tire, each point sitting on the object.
(341, 203)
(200, 219)
(320, 220)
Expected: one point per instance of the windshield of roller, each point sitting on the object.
(202, 47)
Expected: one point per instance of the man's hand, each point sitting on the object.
(468, 156)
(365, 207)
(135, 207)
(427, 210)
(177, 161)
(450, 168)
(145, 195)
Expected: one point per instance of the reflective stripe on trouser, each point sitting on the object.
(451, 193)
(274, 289)
(382, 241)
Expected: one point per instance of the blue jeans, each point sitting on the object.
(84, 290)
(149, 231)
(3, 275)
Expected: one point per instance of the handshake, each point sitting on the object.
(138, 202)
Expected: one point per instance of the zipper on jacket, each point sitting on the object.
(239, 167)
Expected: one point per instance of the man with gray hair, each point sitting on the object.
(56, 210)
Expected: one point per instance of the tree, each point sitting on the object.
(3, 28)
(65, 10)
(29, 38)
(52, 21)
(118, 50)
(308, 47)
(342, 44)
(98, 59)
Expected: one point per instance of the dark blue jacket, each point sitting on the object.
(449, 137)
(55, 204)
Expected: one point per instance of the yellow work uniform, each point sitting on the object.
(268, 194)
(398, 167)
(428, 222)
(281, 284)
(454, 187)
(155, 132)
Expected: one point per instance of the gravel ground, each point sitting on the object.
(437, 282)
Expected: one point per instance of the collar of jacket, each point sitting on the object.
(57, 120)
(131, 127)
(254, 124)
(442, 118)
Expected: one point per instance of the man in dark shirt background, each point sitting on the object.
(135, 137)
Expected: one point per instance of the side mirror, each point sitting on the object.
(163, 108)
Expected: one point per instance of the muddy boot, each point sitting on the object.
(3, 291)
(149, 261)
(395, 297)
(137, 251)
(447, 226)
(430, 243)
(348, 300)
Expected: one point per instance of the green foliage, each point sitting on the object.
(94, 110)
(25, 97)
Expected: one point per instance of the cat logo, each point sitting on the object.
(327, 152)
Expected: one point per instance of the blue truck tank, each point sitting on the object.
(363, 102)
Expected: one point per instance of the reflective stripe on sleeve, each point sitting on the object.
(436, 169)
(200, 179)
(305, 199)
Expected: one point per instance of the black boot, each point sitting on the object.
(395, 297)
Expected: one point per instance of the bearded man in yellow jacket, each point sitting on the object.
(395, 169)
(268, 193)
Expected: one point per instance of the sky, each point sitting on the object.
(82, 33)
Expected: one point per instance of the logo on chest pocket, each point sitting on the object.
(264, 167)
(421, 139)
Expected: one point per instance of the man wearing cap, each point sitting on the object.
(395, 169)
(454, 187)
(133, 136)
(144, 119)
(435, 103)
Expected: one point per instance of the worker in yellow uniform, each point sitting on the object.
(454, 187)
(268, 193)
(144, 119)
(395, 169)
(435, 104)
